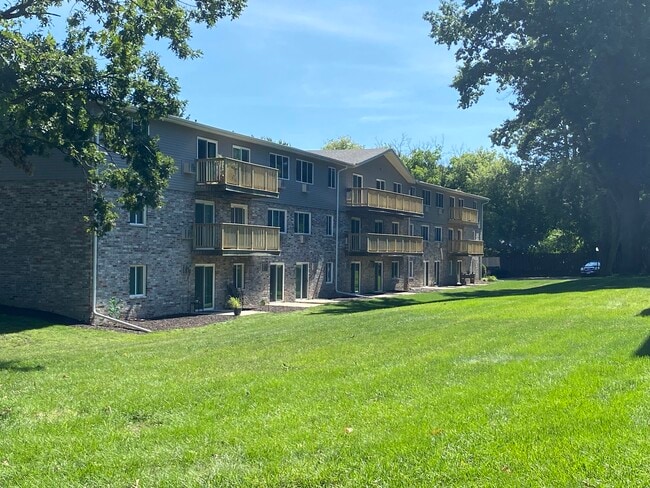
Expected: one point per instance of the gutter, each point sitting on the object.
(95, 312)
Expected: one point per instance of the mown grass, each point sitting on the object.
(527, 383)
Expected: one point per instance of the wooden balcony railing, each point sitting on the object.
(467, 248)
(384, 200)
(465, 215)
(385, 244)
(237, 175)
(236, 237)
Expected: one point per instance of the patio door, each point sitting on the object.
(426, 273)
(302, 280)
(436, 272)
(379, 276)
(277, 282)
(204, 287)
(355, 277)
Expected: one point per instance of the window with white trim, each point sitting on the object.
(329, 225)
(138, 217)
(440, 200)
(394, 228)
(411, 229)
(461, 202)
(329, 272)
(394, 269)
(437, 234)
(426, 197)
(412, 191)
(411, 269)
(450, 234)
(302, 223)
(238, 275)
(241, 153)
(137, 281)
(304, 171)
(331, 177)
(277, 218)
(238, 213)
(397, 187)
(380, 184)
(379, 227)
(205, 148)
(357, 181)
(281, 163)
(424, 231)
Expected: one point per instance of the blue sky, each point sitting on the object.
(306, 72)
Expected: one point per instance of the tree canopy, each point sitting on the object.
(92, 92)
(579, 73)
(343, 142)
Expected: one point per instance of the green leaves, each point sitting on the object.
(58, 95)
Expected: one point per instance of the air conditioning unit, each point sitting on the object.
(189, 167)
(304, 187)
(441, 211)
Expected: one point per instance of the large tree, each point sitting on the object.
(91, 91)
(579, 74)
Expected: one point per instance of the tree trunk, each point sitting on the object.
(629, 220)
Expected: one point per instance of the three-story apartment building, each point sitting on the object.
(241, 216)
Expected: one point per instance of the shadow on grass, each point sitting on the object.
(644, 350)
(570, 286)
(16, 367)
(13, 320)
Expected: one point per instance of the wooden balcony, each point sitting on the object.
(232, 175)
(236, 239)
(385, 201)
(466, 248)
(463, 215)
(384, 244)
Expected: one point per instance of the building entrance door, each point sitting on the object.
(355, 277)
(204, 287)
(276, 287)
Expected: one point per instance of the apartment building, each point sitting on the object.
(242, 216)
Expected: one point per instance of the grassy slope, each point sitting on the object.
(531, 383)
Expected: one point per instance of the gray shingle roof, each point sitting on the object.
(351, 156)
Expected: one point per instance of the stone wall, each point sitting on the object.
(45, 250)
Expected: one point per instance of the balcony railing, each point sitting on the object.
(467, 248)
(462, 214)
(232, 238)
(384, 200)
(237, 175)
(384, 244)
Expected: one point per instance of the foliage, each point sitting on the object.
(579, 88)
(90, 95)
(517, 383)
(233, 303)
(114, 308)
(343, 142)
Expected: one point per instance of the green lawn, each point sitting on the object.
(519, 383)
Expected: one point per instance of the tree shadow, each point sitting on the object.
(16, 367)
(644, 350)
(568, 286)
(14, 320)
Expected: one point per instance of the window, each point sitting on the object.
(437, 234)
(304, 171)
(397, 187)
(426, 197)
(329, 225)
(394, 228)
(381, 185)
(461, 202)
(411, 229)
(241, 153)
(459, 233)
(474, 204)
(137, 281)
(450, 234)
(424, 230)
(331, 177)
(412, 191)
(357, 181)
(411, 270)
(238, 275)
(238, 214)
(206, 148)
(302, 223)
(394, 269)
(379, 227)
(440, 200)
(452, 202)
(138, 217)
(281, 163)
(329, 272)
(277, 218)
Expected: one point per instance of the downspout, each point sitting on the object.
(336, 259)
(95, 312)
